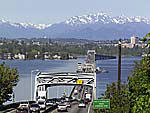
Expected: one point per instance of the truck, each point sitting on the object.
(88, 97)
(75, 92)
(41, 100)
(41, 96)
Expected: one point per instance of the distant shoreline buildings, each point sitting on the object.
(46, 55)
(134, 42)
(63, 49)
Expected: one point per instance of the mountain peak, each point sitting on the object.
(25, 25)
(104, 18)
(92, 26)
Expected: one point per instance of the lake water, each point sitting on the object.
(23, 89)
(112, 76)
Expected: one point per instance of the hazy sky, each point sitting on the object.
(52, 11)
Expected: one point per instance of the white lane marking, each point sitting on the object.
(89, 107)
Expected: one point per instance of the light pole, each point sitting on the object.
(119, 64)
(13, 97)
(31, 80)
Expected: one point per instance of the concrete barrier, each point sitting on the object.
(10, 107)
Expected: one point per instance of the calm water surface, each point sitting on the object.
(112, 66)
(23, 89)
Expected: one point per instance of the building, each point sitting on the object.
(56, 57)
(20, 56)
(46, 55)
(134, 40)
(10, 56)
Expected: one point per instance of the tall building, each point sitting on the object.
(134, 40)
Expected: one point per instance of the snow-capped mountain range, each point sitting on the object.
(93, 26)
(104, 19)
(25, 25)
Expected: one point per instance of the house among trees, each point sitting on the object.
(20, 56)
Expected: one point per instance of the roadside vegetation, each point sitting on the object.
(9, 78)
(133, 97)
(64, 50)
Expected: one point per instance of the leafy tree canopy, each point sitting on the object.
(147, 38)
(118, 98)
(139, 87)
(8, 79)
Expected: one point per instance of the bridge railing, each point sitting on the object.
(6, 108)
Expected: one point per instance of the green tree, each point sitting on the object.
(8, 79)
(147, 38)
(139, 87)
(118, 98)
(139, 84)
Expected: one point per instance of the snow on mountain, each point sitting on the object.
(25, 25)
(88, 19)
(37, 26)
(2, 21)
(85, 19)
(92, 26)
(105, 19)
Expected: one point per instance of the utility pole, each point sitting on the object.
(119, 64)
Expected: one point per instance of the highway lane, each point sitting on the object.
(74, 109)
(74, 105)
(14, 111)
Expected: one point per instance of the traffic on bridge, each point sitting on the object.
(79, 101)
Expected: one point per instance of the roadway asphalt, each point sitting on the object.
(14, 111)
(74, 106)
(74, 109)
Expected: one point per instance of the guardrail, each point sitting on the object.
(13, 106)
(10, 107)
(6, 108)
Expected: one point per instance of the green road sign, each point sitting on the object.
(101, 104)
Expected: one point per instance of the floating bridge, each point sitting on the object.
(85, 76)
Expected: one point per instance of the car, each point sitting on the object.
(34, 108)
(49, 102)
(73, 98)
(68, 104)
(86, 92)
(67, 99)
(24, 105)
(58, 101)
(82, 104)
(20, 110)
(62, 107)
(42, 104)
